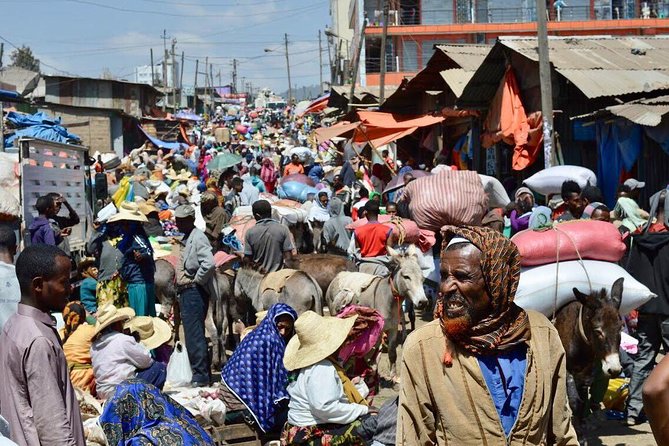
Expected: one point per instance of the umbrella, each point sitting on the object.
(398, 181)
(223, 161)
(300, 178)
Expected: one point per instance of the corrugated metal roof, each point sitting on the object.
(648, 112)
(457, 79)
(597, 83)
(468, 57)
(592, 53)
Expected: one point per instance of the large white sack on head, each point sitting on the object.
(549, 181)
(497, 196)
(536, 290)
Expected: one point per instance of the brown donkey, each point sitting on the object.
(590, 332)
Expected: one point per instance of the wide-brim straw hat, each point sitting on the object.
(316, 338)
(153, 331)
(148, 206)
(128, 211)
(109, 315)
(181, 176)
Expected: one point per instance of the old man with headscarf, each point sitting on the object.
(485, 371)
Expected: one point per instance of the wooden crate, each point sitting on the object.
(235, 434)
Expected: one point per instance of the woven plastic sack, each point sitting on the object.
(448, 198)
(497, 196)
(536, 290)
(593, 240)
(549, 181)
(291, 190)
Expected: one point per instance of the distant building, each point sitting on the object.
(143, 74)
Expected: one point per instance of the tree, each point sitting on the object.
(23, 57)
(107, 74)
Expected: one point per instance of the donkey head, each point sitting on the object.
(602, 324)
(408, 276)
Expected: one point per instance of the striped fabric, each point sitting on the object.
(450, 197)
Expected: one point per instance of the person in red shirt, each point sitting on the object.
(295, 166)
(372, 241)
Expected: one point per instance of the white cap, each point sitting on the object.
(633, 183)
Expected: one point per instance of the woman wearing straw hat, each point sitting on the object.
(325, 407)
(138, 267)
(153, 333)
(117, 357)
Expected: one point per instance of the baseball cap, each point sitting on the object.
(633, 183)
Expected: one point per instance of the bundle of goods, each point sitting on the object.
(537, 287)
(585, 239)
(406, 231)
(497, 196)
(448, 198)
(549, 181)
(10, 207)
(297, 177)
(305, 155)
(284, 211)
(295, 191)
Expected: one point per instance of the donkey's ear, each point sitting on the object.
(582, 298)
(411, 251)
(617, 292)
(392, 253)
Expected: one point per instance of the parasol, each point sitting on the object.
(398, 181)
(223, 161)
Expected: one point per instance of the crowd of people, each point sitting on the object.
(483, 371)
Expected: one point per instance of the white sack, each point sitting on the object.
(497, 196)
(549, 181)
(536, 290)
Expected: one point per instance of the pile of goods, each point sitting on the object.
(579, 254)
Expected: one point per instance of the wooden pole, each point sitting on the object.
(545, 84)
(361, 41)
(181, 80)
(197, 63)
(320, 61)
(290, 87)
(153, 76)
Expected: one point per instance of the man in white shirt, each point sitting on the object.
(10, 294)
(117, 357)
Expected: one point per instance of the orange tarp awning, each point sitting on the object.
(326, 133)
(379, 128)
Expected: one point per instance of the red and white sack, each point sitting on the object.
(592, 239)
(451, 197)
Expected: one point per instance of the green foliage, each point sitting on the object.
(23, 57)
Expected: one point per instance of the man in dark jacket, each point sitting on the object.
(648, 262)
(40, 229)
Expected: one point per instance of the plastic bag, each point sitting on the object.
(179, 372)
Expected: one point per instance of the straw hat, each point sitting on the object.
(181, 176)
(128, 211)
(148, 206)
(316, 338)
(109, 315)
(153, 331)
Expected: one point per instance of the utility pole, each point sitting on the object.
(219, 78)
(181, 80)
(361, 41)
(211, 83)
(234, 75)
(290, 88)
(153, 76)
(164, 37)
(384, 37)
(206, 81)
(2, 52)
(545, 81)
(174, 77)
(332, 75)
(197, 66)
(320, 61)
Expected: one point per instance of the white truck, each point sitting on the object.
(46, 166)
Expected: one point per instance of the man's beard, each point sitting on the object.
(459, 322)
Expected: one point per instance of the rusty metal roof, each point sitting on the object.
(597, 83)
(457, 79)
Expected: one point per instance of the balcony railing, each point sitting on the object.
(603, 10)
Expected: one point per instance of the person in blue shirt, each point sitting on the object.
(137, 268)
(89, 274)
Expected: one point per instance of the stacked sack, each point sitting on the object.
(551, 259)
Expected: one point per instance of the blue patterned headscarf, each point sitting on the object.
(255, 372)
(138, 413)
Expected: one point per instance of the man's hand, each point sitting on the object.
(66, 232)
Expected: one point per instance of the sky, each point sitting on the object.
(86, 37)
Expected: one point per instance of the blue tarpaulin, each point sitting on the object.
(188, 116)
(8, 95)
(39, 125)
(619, 145)
(162, 144)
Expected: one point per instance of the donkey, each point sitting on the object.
(299, 290)
(385, 294)
(322, 267)
(217, 322)
(589, 329)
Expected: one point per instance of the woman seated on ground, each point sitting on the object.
(259, 359)
(77, 336)
(153, 333)
(117, 357)
(137, 413)
(324, 403)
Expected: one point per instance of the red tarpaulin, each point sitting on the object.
(318, 105)
(339, 129)
(379, 128)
